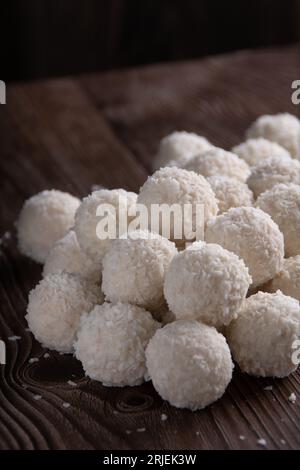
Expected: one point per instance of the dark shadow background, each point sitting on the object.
(44, 38)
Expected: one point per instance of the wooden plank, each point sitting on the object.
(104, 129)
(53, 136)
(218, 97)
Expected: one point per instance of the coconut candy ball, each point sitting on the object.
(179, 147)
(111, 343)
(217, 161)
(272, 171)
(282, 202)
(253, 236)
(66, 255)
(134, 269)
(44, 219)
(254, 151)
(288, 280)
(207, 283)
(261, 338)
(176, 186)
(283, 128)
(230, 192)
(55, 307)
(189, 363)
(87, 220)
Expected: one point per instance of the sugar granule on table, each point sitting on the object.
(292, 398)
(37, 397)
(141, 429)
(32, 360)
(262, 442)
(14, 338)
(73, 384)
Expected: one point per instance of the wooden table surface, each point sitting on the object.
(103, 129)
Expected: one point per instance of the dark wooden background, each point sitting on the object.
(42, 38)
(104, 129)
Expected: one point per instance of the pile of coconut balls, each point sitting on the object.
(144, 307)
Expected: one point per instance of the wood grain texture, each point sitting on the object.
(104, 129)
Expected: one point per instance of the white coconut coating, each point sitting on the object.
(288, 280)
(282, 202)
(55, 307)
(253, 236)
(86, 219)
(44, 219)
(177, 186)
(66, 255)
(111, 343)
(261, 338)
(207, 283)
(179, 147)
(230, 192)
(272, 171)
(217, 161)
(189, 363)
(134, 269)
(253, 151)
(283, 128)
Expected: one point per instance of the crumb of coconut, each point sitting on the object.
(268, 388)
(32, 360)
(6, 236)
(46, 355)
(242, 438)
(197, 433)
(163, 417)
(24, 386)
(292, 398)
(115, 412)
(128, 431)
(14, 338)
(141, 429)
(73, 384)
(66, 404)
(262, 442)
(282, 441)
(37, 397)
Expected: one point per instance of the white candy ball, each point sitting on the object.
(282, 128)
(261, 338)
(134, 269)
(66, 255)
(282, 202)
(272, 171)
(288, 280)
(206, 283)
(254, 151)
(177, 186)
(217, 161)
(111, 343)
(55, 307)
(189, 363)
(86, 219)
(44, 219)
(230, 192)
(179, 147)
(253, 236)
